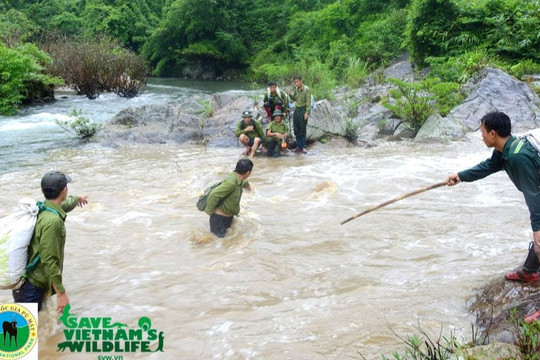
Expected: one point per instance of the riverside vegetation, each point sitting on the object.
(329, 42)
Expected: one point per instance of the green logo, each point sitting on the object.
(101, 335)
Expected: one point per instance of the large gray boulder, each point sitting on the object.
(210, 119)
(325, 120)
(493, 90)
(374, 120)
(400, 69)
(437, 128)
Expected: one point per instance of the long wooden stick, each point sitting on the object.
(415, 192)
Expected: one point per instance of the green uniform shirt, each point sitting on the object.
(522, 164)
(257, 130)
(280, 96)
(48, 241)
(302, 98)
(278, 128)
(226, 197)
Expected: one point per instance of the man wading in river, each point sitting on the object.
(521, 162)
(224, 201)
(47, 244)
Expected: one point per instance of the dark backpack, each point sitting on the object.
(203, 199)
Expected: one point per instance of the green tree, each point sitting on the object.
(66, 23)
(15, 27)
(21, 71)
(208, 32)
(415, 102)
(129, 22)
(379, 40)
(430, 24)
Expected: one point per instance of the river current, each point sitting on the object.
(288, 281)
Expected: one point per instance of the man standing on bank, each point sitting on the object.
(48, 244)
(302, 97)
(224, 201)
(521, 162)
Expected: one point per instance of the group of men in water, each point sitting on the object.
(274, 140)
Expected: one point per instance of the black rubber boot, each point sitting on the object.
(531, 263)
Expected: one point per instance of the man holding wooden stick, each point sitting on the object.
(521, 161)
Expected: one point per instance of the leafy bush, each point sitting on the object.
(447, 96)
(207, 110)
(416, 101)
(524, 67)
(356, 72)
(91, 67)
(22, 76)
(79, 125)
(458, 68)
(527, 335)
(413, 102)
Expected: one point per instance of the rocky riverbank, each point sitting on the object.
(212, 119)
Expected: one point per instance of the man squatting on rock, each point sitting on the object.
(250, 133)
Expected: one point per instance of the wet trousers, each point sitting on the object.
(300, 127)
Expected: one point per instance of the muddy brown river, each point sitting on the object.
(288, 281)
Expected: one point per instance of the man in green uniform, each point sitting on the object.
(302, 97)
(521, 162)
(276, 133)
(224, 201)
(275, 99)
(48, 243)
(250, 133)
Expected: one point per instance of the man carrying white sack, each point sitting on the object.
(46, 248)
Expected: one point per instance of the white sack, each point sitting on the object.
(16, 231)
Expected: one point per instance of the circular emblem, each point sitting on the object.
(19, 331)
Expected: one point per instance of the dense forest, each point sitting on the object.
(329, 42)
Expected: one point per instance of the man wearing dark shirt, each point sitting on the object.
(521, 162)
